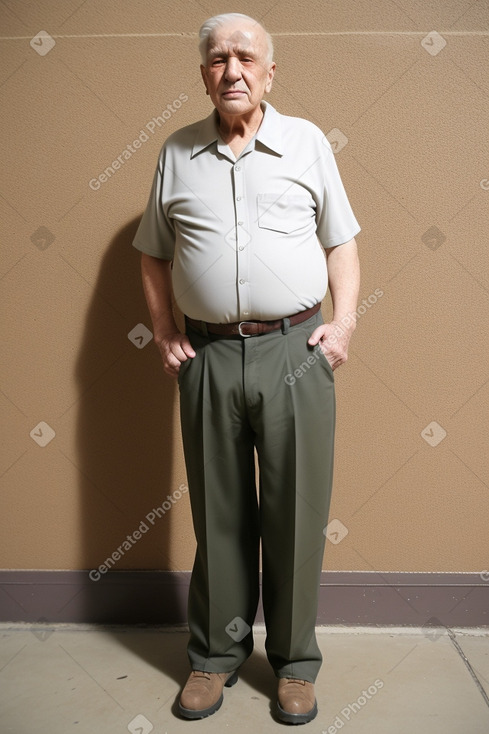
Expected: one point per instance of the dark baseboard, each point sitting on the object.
(160, 598)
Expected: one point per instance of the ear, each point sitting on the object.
(204, 77)
(271, 74)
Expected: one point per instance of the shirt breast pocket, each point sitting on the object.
(284, 213)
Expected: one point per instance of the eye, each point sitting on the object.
(217, 62)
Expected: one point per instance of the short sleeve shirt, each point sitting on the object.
(246, 234)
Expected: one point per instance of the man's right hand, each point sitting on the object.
(175, 348)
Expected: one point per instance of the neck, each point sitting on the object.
(242, 126)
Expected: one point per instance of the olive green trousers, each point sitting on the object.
(275, 393)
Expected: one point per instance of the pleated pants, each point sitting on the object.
(273, 393)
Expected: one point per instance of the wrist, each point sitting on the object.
(162, 336)
(164, 326)
(346, 322)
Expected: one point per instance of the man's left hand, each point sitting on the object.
(333, 339)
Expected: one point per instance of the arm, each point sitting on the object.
(344, 284)
(174, 346)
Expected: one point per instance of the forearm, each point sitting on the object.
(156, 276)
(174, 346)
(344, 282)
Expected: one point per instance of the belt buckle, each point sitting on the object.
(241, 324)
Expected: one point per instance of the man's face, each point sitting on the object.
(236, 73)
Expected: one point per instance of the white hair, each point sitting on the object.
(211, 23)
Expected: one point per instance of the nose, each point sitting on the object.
(233, 69)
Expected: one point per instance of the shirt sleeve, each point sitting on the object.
(156, 235)
(336, 223)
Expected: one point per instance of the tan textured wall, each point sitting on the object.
(414, 114)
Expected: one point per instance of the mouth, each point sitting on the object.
(233, 93)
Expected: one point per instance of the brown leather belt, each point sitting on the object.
(251, 328)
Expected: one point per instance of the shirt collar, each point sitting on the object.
(269, 133)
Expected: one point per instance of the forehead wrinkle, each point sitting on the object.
(254, 42)
(227, 47)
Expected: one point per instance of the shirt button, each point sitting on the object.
(242, 282)
(238, 198)
(237, 168)
(246, 313)
(240, 223)
(241, 247)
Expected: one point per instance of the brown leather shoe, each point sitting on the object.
(296, 701)
(202, 695)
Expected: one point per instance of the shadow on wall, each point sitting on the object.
(124, 446)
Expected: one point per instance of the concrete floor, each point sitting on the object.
(57, 680)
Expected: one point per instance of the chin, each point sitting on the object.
(234, 105)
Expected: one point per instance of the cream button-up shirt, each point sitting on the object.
(246, 234)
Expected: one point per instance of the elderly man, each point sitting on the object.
(242, 205)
